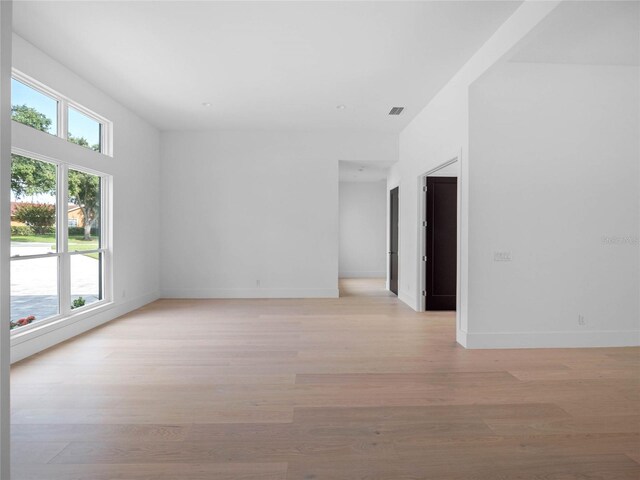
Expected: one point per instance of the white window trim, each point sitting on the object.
(106, 126)
(66, 314)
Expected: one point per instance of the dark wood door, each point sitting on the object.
(393, 240)
(441, 232)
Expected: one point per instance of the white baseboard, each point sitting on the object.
(362, 274)
(52, 334)
(409, 300)
(250, 293)
(461, 337)
(618, 338)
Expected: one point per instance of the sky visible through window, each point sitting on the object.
(82, 126)
(79, 124)
(24, 95)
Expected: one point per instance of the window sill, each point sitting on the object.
(45, 327)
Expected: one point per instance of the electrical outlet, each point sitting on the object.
(124, 293)
(501, 256)
(581, 321)
(257, 283)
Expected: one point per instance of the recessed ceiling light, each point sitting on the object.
(206, 104)
(341, 107)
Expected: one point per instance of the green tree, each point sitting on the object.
(83, 142)
(28, 176)
(31, 117)
(40, 217)
(84, 191)
(31, 177)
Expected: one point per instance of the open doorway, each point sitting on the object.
(440, 233)
(394, 212)
(363, 247)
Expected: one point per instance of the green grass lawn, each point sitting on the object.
(76, 242)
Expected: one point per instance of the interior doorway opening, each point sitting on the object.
(362, 203)
(394, 213)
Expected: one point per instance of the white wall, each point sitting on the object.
(438, 134)
(560, 142)
(135, 171)
(363, 229)
(255, 214)
(549, 172)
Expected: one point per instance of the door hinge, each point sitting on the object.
(424, 188)
(424, 223)
(424, 258)
(424, 293)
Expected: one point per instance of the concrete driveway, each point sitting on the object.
(34, 282)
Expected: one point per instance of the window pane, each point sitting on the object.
(84, 211)
(83, 130)
(33, 206)
(34, 290)
(33, 108)
(86, 279)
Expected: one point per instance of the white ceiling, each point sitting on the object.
(368, 171)
(264, 65)
(588, 33)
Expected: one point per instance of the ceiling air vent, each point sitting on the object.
(396, 110)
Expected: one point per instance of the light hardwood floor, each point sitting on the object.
(359, 387)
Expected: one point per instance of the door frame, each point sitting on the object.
(422, 237)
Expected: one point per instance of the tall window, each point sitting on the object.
(59, 248)
(42, 108)
(56, 265)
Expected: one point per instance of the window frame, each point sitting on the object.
(63, 254)
(64, 103)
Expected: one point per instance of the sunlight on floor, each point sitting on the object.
(363, 287)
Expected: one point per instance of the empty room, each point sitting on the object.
(319, 240)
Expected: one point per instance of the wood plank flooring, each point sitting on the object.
(359, 387)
